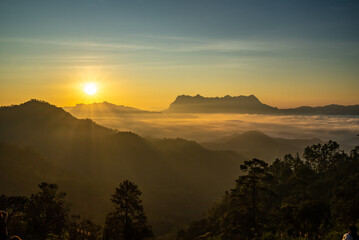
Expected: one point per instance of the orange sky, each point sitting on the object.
(155, 89)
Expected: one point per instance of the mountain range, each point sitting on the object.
(199, 104)
(179, 178)
(250, 104)
(227, 104)
(103, 109)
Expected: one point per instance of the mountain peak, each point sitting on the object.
(35, 106)
(37, 102)
(254, 133)
(103, 109)
(226, 104)
(253, 97)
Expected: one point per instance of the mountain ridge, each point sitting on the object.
(199, 104)
(226, 104)
(256, 144)
(251, 105)
(104, 109)
(173, 174)
(179, 178)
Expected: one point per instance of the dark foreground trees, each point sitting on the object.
(45, 216)
(248, 202)
(316, 197)
(127, 220)
(293, 198)
(47, 213)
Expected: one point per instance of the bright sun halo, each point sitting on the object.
(90, 89)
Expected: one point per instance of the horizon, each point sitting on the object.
(158, 108)
(217, 125)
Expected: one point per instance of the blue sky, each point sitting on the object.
(318, 20)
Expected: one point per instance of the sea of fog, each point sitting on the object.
(208, 127)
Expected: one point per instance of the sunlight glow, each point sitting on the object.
(90, 88)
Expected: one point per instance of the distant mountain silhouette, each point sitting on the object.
(103, 109)
(255, 144)
(332, 109)
(179, 178)
(227, 104)
(199, 104)
(250, 104)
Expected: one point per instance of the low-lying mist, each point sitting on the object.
(209, 127)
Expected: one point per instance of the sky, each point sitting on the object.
(143, 53)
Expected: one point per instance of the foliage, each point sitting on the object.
(46, 213)
(311, 198)
(83, 228)
(293, 198)
(128, 220)
(44, 216)
(15, 207)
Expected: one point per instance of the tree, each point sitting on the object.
(354, 154)
(15, 207)
(320, 157)
(291, 199)
(47, 213)
(80, 228)
(248, 202)
(257, 174)
(128, 220)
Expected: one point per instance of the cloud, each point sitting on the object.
(142, 52)
(206, 127)
(169, 45)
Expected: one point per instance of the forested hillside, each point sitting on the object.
(179, 178)
(314, 197)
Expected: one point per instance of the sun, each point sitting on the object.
(90, 88)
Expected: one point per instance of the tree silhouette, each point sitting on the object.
(246, 214)
(15, 207)
(320, 157)
(47, 213)
(257, 174)
(80, 229)
(128, 220)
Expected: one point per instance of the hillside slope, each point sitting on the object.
(179, 178)
(255, 144)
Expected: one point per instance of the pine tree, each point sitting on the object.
(47, 213)
(244, 219)
(128, 220)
